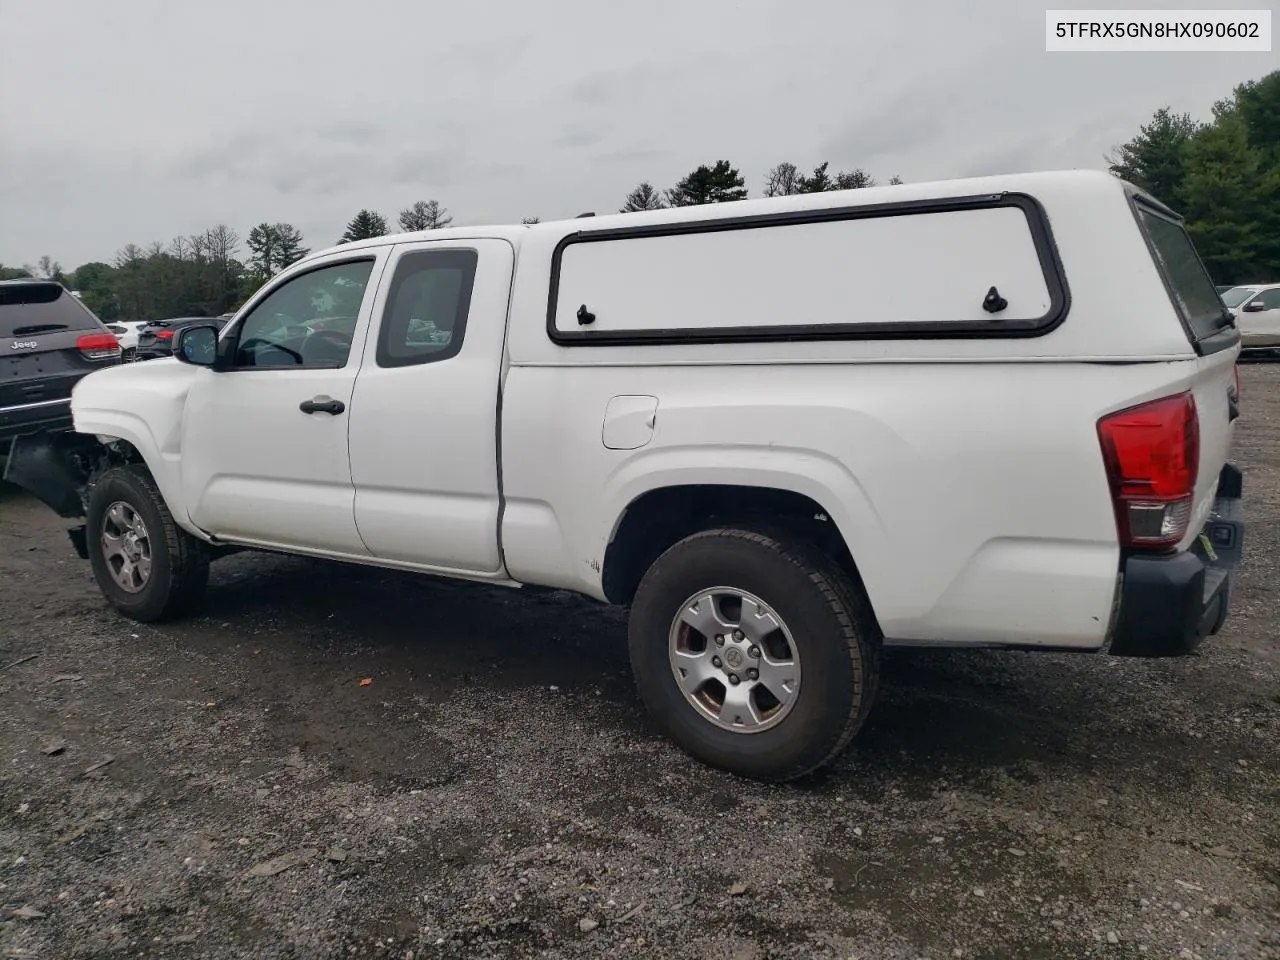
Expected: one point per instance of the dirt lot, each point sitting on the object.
(229, 786)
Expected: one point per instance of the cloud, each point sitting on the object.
(437, 167)
(351, 131)
(639, 155)
(574, 138)
(506, 109)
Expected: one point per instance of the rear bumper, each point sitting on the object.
(33, 417)
(152, 353)
(1171, 602)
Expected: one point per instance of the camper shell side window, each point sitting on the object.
(966, 267)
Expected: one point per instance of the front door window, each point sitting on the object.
(308, 321)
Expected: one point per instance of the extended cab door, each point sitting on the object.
(264, 438)
(424, 417)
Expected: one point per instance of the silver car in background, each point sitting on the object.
(1256, 308)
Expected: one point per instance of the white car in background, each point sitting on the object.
(1257, 312)
(126, 332)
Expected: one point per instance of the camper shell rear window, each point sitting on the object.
(1208, 323)
(977, 266)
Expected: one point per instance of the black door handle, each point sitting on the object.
(322, 405)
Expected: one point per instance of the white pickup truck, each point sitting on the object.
(785, 433)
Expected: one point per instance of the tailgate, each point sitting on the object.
(44, 372)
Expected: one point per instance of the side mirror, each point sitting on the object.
(197, 345)
(1253, 306)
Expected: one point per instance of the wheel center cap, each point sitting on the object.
(734, 657)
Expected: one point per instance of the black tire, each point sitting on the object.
(835, 635)
(179, 562)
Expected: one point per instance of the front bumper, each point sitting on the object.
(1169, 603)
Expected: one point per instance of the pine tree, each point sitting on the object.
(1229, 199)
(643, 197)
(1259, 105)
(817, 182)
(1155, 159)
(272, 247)
(718, 184)
(263, 243)
(363, 226)
(291, 249)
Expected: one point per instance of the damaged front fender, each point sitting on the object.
(54, 468)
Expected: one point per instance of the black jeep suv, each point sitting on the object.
(48, 341)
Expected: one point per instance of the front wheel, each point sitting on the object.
(757, 655)
(147, 566)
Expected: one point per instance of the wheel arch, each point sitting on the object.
(58, 468)
(658, 518)
(129, 432)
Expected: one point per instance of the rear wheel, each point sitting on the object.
(756, 654)
(145, 564)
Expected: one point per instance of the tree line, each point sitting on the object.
(1222, 175)
(209, 273)
(204, 274)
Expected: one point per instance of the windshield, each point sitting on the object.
(1238, 295)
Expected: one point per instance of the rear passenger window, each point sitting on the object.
(427, 305)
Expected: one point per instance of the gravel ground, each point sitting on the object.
(231, 786)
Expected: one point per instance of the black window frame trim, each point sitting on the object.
(996, 328)
(229, 345)
(463, 312)
(1225, 337)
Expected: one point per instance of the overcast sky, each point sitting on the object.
(138, 120)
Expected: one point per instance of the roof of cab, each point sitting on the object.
(1059, 182)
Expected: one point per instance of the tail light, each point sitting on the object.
(1152, 456)
(98, 346)
(164, 334)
